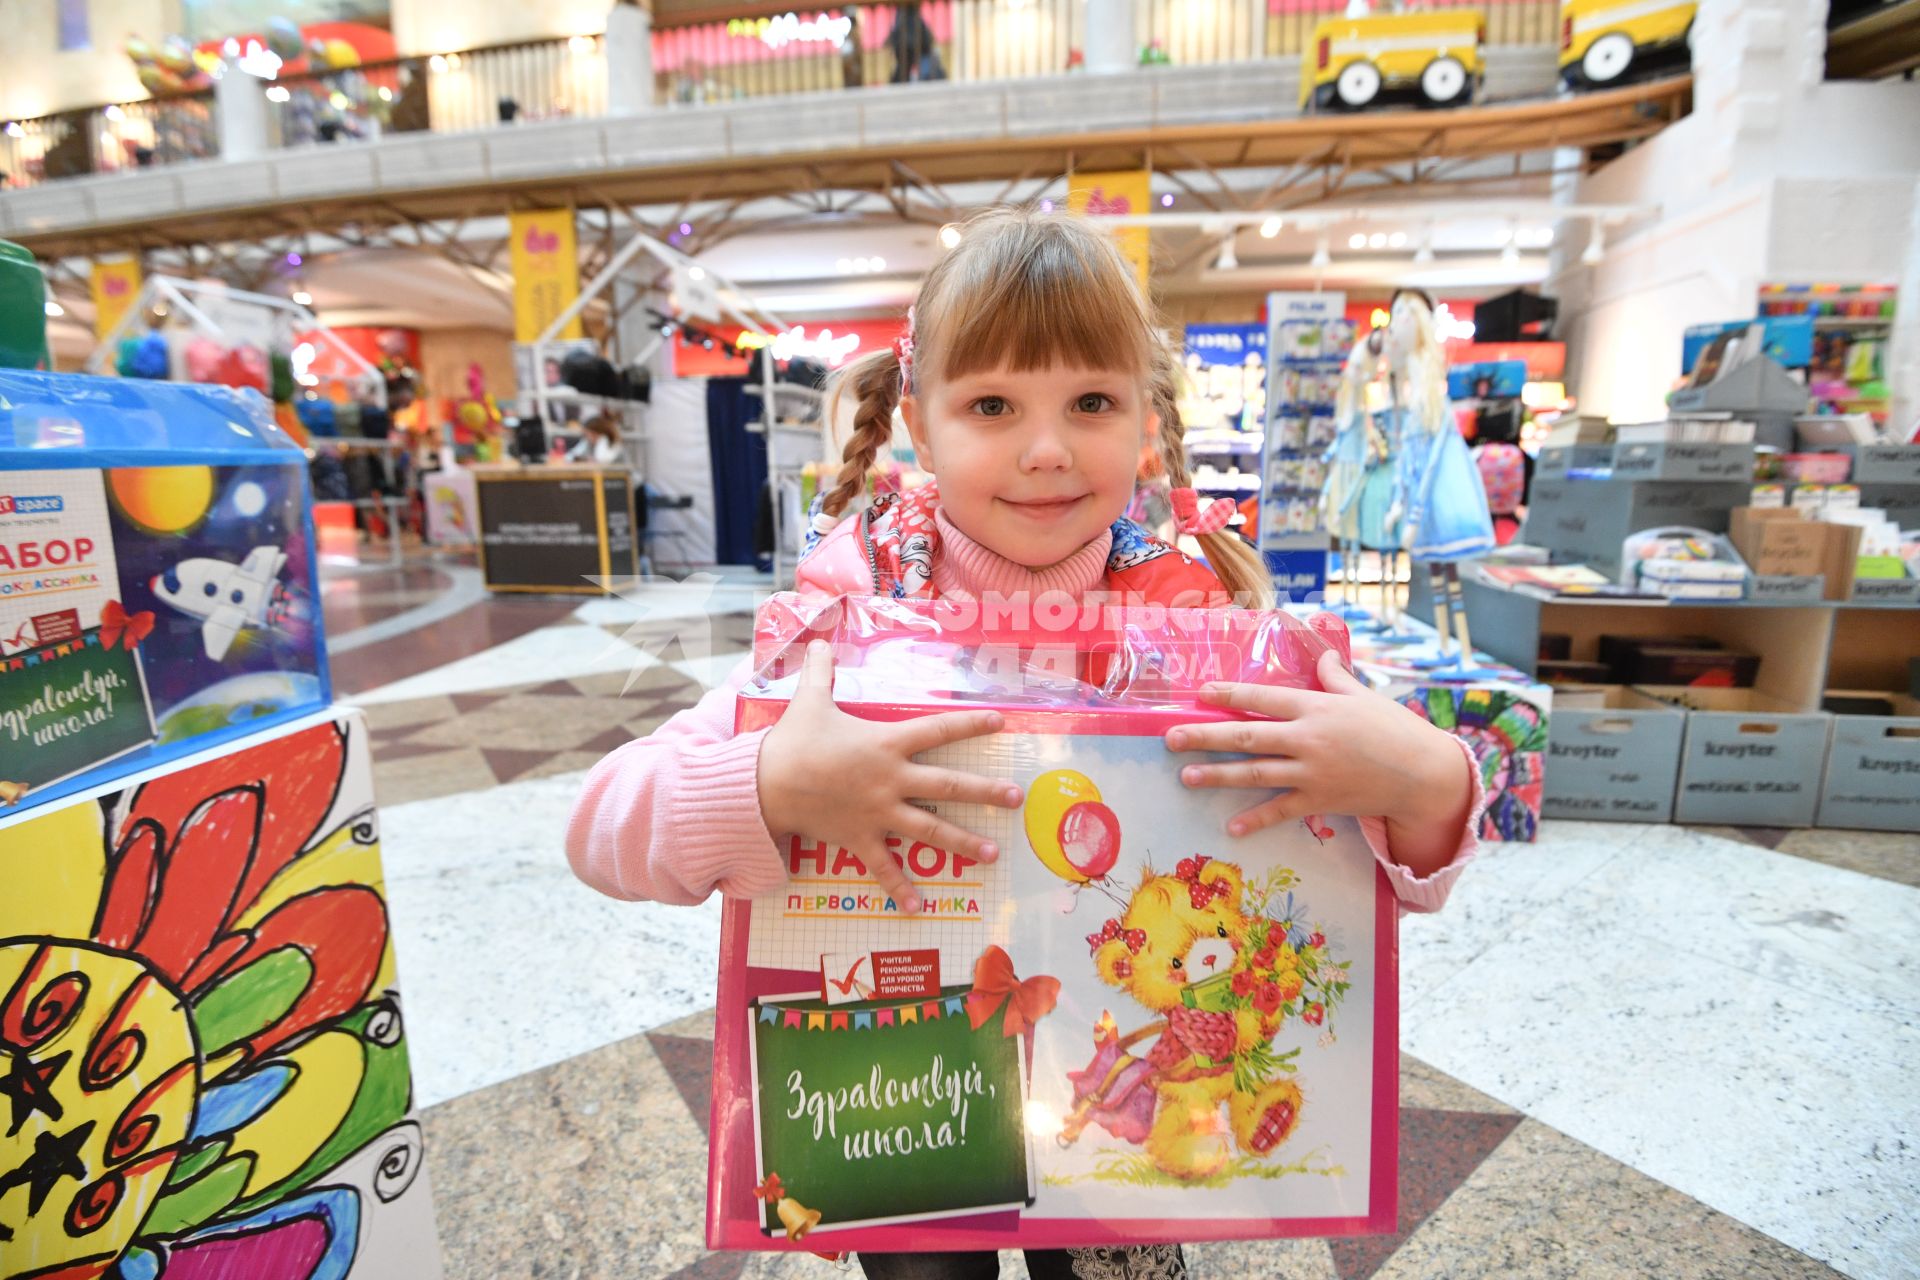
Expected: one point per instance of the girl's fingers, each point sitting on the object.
(816, 672)
(1335, 677)
(1270, 813)
(892, 877)
(910, 823)
(1269, 772)
(929, 732)
(1262, 699)
(950, 786)
(1252, 737)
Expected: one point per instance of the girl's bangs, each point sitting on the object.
(1047, 302)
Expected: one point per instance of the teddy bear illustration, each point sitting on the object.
(1221, 981)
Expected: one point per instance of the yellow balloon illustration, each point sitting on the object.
(1048, 800)
(162, 499)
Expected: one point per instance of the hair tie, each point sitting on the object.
(903, 352)
(1191, 518)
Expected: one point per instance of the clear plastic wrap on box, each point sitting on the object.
(1129, 1028)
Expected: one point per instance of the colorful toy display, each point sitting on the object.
(1126, 1028)
(1432, 56)
(1601, 41)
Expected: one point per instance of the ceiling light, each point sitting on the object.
(302, 297)
(278, 93)
(879, 263)
(1166, 201)
(843, 266)
(1322, 259)
(114, 113)
(1228, 259)
(1424, 254)
(694, 273)
(1378, 240)
(1358, 240)
(950, 236)
(1510, 254)
(1596, 246)
(437, 63)
(1270, 228)
(1046, 206)
(1398, 240)
(54, 308)
(580, 44)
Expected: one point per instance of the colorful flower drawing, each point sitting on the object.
(1508, 736)
(203, 1070)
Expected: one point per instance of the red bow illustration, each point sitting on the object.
(994, 984)
(770, 1189)
(1201, 892)
(1134, 938)
(116, 622)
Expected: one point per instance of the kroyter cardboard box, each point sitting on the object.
(1784, 543)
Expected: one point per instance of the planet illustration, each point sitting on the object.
(162, 499)
(237, 701)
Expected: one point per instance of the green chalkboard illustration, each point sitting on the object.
(891, 1111)
(66, 707)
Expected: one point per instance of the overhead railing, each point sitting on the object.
(701, 53)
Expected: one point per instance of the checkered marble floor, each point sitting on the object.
(1629, 1051)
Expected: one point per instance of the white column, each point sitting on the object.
(240, 100)
(1903, 356)
(1110, 40)
(629, 53)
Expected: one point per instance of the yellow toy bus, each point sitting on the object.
(1601, 40)
(1435, 53)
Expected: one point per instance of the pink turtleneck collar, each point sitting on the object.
(964, 569)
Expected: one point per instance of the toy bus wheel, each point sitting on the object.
(1359, 84)
(1444, 81)
(1607, 58)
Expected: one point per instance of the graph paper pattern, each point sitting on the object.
(46, 588)
(782, 938)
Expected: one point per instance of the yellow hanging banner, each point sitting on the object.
(1121, 191)
(546, 273)
(115, 285)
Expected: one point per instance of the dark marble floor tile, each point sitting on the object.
(492, 622)
(1439, 1150)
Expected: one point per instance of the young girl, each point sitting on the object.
(1025, 381)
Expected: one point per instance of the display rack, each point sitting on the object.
(1303, 374)
(233, 316)
(796, 431)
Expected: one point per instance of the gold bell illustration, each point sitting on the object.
(796, 1217)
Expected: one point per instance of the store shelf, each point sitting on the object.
(1853, 322)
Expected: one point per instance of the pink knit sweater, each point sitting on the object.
(675, 815)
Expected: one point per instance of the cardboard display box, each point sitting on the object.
(1784, 543)
(1613, 755)
(206, 947)
(1873, 767)
(1748, 759)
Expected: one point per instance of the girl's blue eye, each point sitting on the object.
(990, 406)
(1094, 402)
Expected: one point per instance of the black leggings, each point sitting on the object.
(1140, 1262)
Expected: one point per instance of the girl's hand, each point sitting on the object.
(1348, 750)
(830, 776)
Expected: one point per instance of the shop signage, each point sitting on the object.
(790, 28)
(115, 285)
(1125, 191)
(546, 273)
